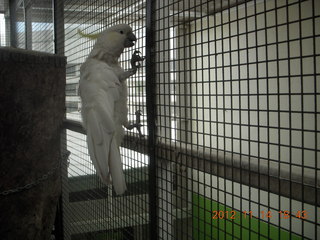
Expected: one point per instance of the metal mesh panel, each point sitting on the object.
(30, 23)
(41, 36)
(91, 210)
(20, 25)
(237, 124)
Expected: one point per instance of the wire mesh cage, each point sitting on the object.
(20, 25)
(237, 119)
(93, 210)
(41, 34)
(229, 97)
(30, 23)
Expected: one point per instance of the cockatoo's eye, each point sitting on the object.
(121, 32)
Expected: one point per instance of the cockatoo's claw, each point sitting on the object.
(136, 58)
(132, 126)
(132, 71)
(138, 124)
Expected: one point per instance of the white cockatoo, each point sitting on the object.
(103, 92)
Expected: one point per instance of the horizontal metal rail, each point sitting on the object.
(231, 166)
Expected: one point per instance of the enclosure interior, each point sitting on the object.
(232, 108)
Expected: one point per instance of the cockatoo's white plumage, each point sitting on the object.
(103, 93)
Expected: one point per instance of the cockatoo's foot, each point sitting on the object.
(136, 58)
(136, 125)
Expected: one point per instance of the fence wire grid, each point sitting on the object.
(229, 95)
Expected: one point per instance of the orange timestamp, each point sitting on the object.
(219, 214)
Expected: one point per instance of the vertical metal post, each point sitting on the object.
(150, 90)
(13, 23)
(59, 221)
(58, 20)
(63, 208)
(28, 25)
(164, 182)
(183, 79)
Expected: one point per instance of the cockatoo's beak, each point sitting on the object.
(129, 42)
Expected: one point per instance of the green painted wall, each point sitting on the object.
(241, 227)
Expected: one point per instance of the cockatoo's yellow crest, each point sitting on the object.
(91, 36)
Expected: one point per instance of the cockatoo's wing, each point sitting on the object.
(99, 91)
